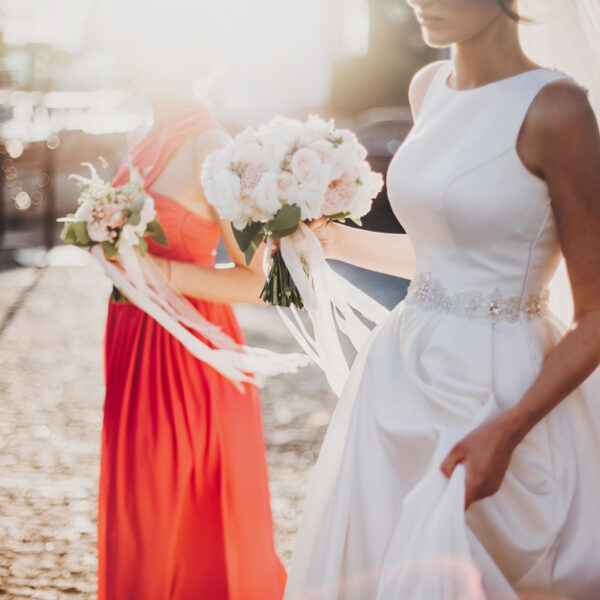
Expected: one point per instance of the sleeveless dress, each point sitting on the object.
(381, 522)
(183, 502)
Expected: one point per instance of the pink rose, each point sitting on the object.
(305, 164)
(324, 149)
(339, 195)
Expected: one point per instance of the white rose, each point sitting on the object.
(224, 194)
(251, 153)
(148, 213)
(310, 194)
(97, 232)
(266, 194)
(128, 236)
(319, 126)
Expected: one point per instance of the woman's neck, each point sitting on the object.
(492, 55)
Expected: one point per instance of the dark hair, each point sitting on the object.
(506, 6)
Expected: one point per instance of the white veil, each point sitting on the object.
(564, 35)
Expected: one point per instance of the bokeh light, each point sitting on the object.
(23, 201)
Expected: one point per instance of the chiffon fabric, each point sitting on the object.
(381, 521)
(183, 502)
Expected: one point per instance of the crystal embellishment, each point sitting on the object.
(429, 294)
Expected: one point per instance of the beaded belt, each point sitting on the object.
(429, 294)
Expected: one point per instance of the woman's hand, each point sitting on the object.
(163, 264)
(485, 454)
(326, 233)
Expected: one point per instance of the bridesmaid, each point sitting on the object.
(183, 502)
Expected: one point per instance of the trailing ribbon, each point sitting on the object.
(331, 302)
(145, 286)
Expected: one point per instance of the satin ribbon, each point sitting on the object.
(145, 286)
(331, 302)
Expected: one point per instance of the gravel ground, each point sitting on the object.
(51, 394)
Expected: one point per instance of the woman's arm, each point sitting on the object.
(389, 253)
(237, 282)
(233, 283)
(560, 141)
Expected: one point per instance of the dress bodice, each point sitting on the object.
(478, 219)
(191, 237)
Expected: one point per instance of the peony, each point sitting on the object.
(305, 164)
(251, 176)
(340, 194)
(309, 195)
(285, 182)
(250, 153)
(266, 194)
(324, 149)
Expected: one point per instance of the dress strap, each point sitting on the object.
(158, 145)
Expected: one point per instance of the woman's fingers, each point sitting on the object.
(454, 457)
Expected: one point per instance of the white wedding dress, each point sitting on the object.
(381, 521)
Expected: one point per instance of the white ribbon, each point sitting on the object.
(330, 300)
(145, 286)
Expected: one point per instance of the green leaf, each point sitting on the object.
(246, 236)
(357, 221)
(281, 233)
(68, 233)
(109, 249)
(156, 233)
(287, 217)
(138, 203)
(143, 246)
(81, 233)
(340, 216)
(134, 218)
(253, 247)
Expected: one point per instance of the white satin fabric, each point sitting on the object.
(381, 522)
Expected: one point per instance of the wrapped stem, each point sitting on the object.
(280, 289)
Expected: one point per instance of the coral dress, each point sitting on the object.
(183, 503)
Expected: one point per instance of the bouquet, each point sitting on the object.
(115, 217)
(268, 181)
(271, 181)
(116, 220)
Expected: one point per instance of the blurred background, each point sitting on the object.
(78, 79)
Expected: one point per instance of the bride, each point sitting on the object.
(472, 394)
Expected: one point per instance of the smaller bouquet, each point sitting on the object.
(268, 181)
(118, 218)
(115, 221)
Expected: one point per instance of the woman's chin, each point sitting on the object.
(436, 39)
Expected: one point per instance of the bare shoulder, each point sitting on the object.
(562, 110)
(420, 83)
